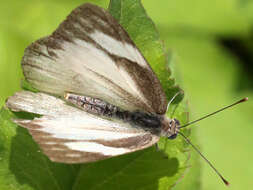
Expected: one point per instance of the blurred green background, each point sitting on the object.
(211, 46)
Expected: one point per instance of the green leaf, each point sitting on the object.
(132, 16)
(24, 166)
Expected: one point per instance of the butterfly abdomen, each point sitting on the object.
(92, 105)
(151, 122)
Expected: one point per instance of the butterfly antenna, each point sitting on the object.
(210, 164)
(226, 107)
(172, 99)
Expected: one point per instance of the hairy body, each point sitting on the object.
(147, 121)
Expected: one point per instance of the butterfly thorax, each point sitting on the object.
(147, 121)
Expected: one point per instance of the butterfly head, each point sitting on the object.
(170, 128)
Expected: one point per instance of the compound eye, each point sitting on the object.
(177, 122)
(172, 136)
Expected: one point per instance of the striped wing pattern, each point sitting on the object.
(69, 135)
(91, 54)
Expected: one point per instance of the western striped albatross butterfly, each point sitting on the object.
(98, 96)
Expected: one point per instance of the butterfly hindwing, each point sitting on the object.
(63, 141)
(69, 135)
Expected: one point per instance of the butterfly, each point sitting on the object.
(98, 96)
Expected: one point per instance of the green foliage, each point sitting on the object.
(211, 77)
(24, 166)
(145, 35)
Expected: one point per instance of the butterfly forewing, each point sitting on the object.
(92, 55)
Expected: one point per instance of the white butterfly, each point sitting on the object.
(104, 100)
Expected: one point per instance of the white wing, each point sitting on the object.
(90, 54)
(69, 135)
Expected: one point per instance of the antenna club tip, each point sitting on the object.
(226, 182)
(243, 100)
